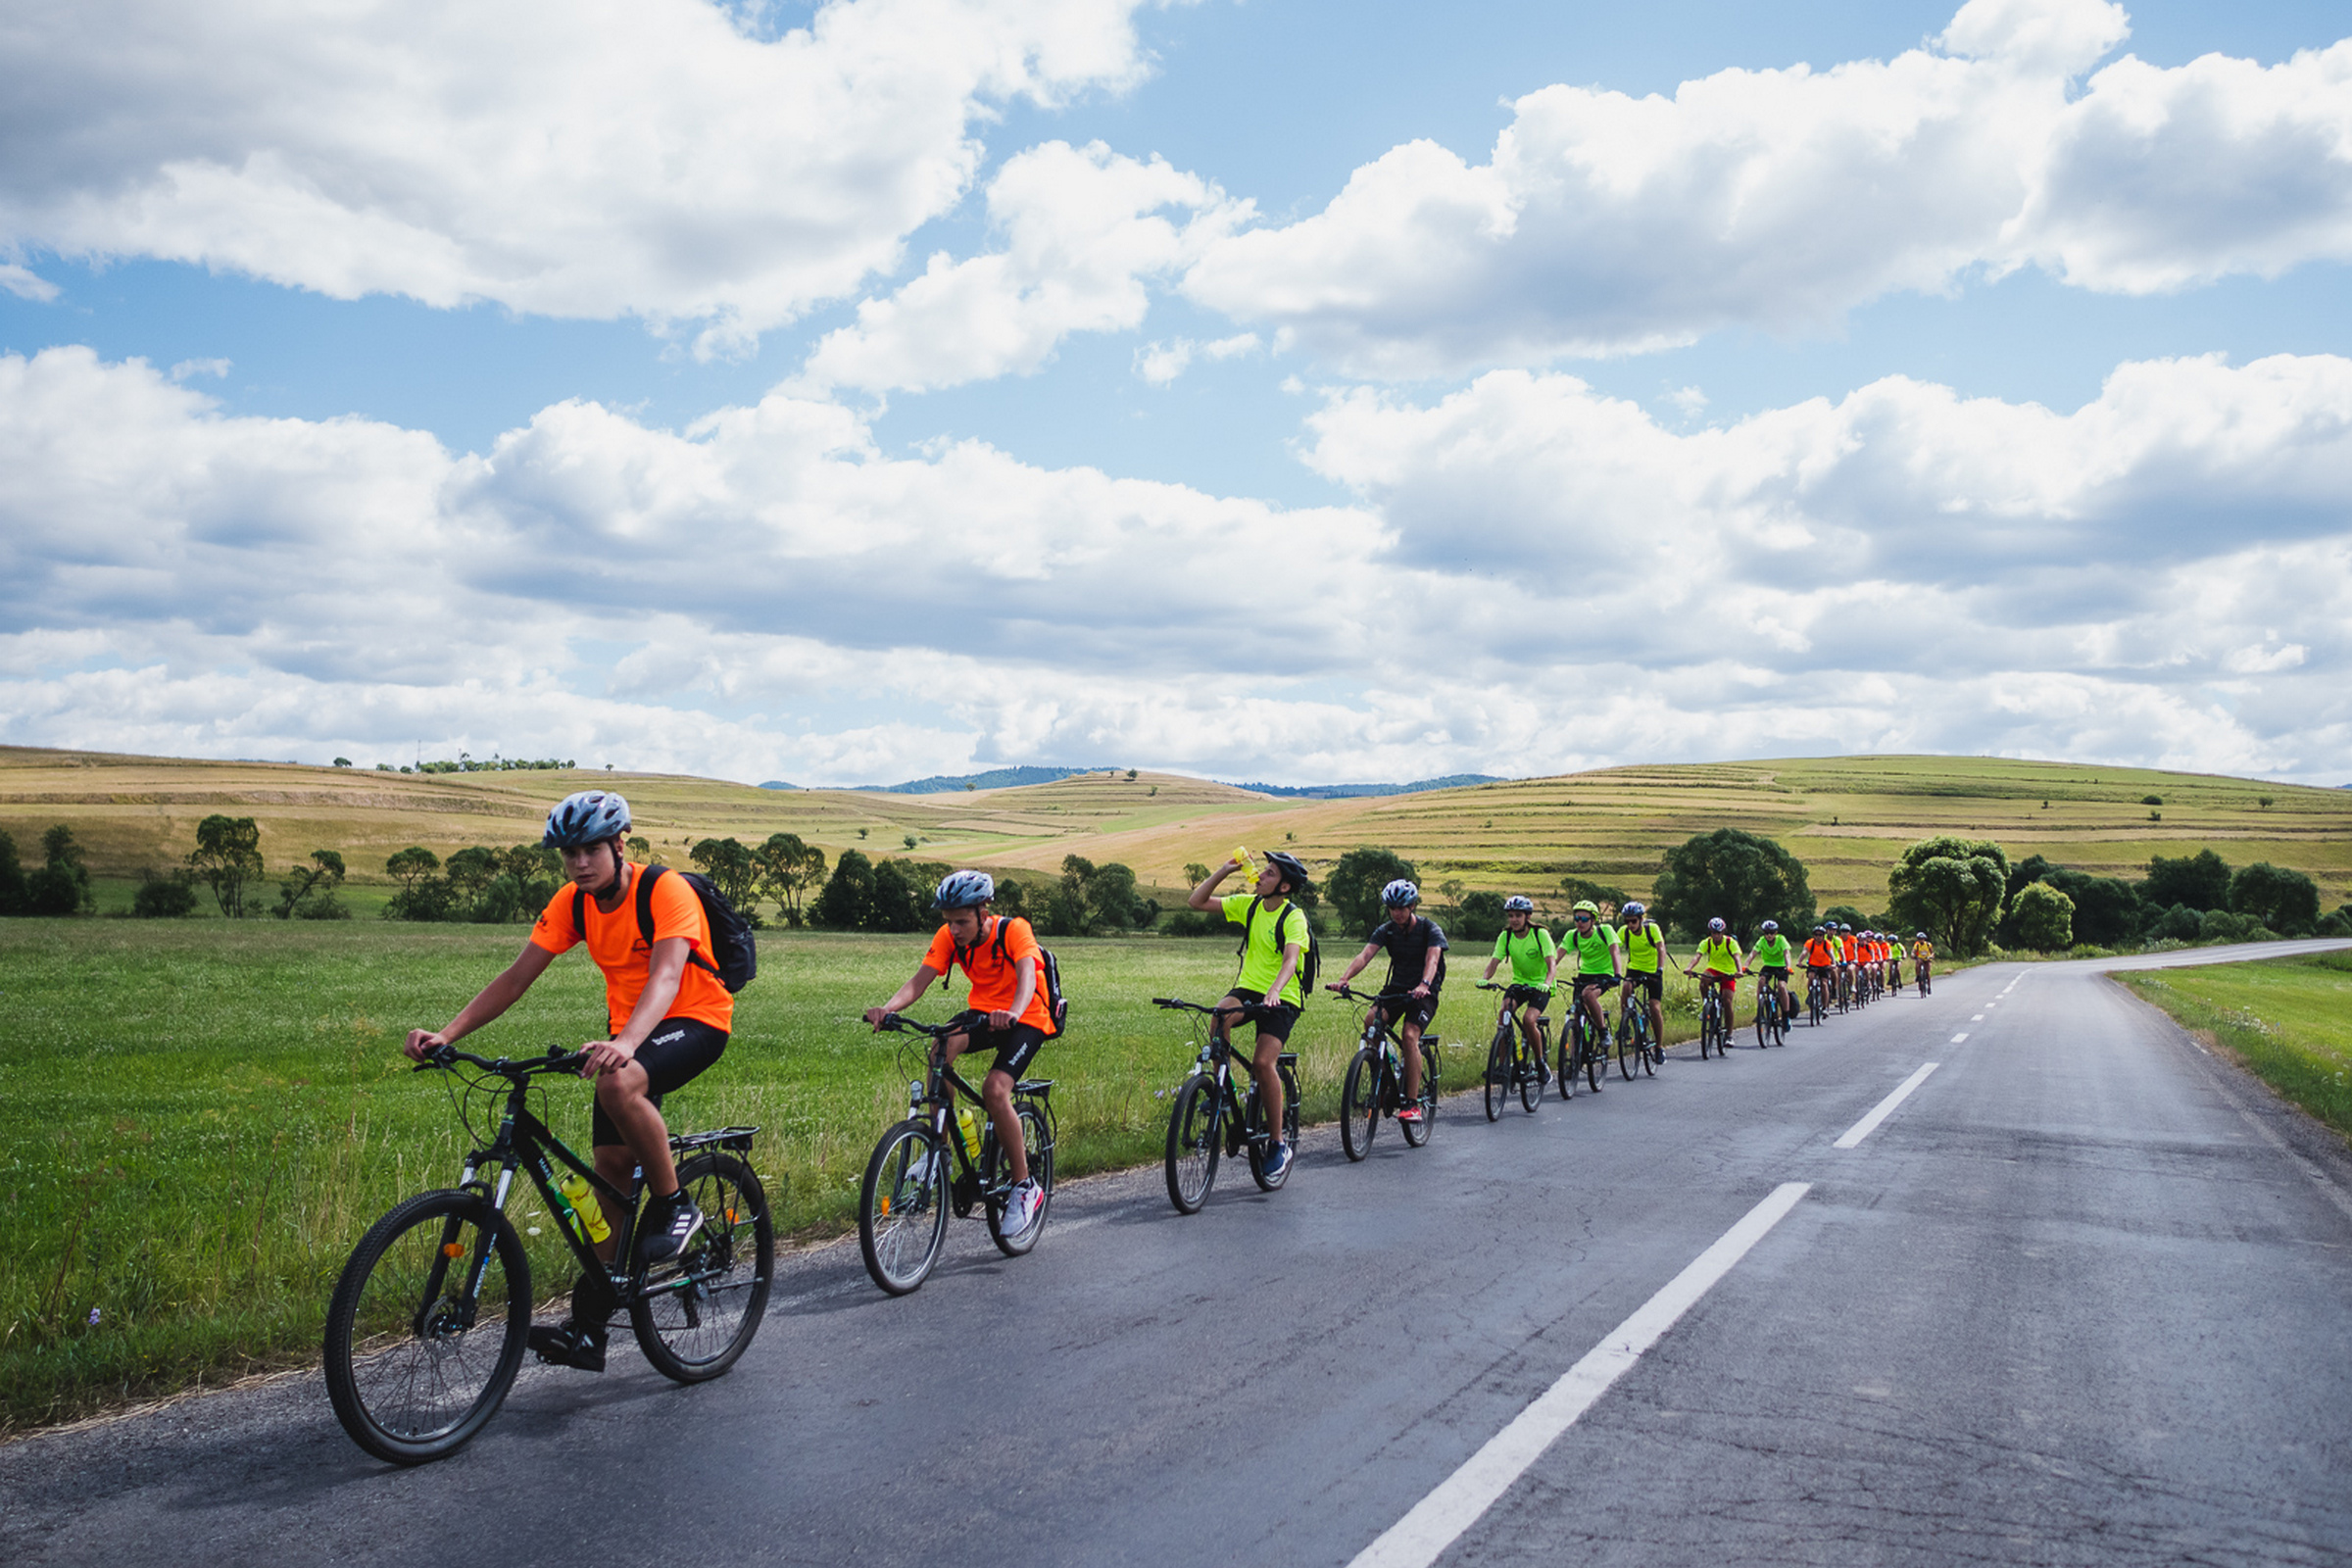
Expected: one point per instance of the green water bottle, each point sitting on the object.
(576, 1192)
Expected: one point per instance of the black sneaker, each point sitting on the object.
(666, 1234)
(572, 1345)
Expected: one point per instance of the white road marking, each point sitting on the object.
(1962, 1034)
(1438, 1520)
(1885, 1108)
(1976, 1017)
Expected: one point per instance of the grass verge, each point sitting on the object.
(2288, 1020)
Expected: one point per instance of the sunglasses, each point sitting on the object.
(1583, 919)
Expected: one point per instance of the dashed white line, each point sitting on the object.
(1438, 1520)
(1885, 1108)
(1976, 1017)
(1962, 1034)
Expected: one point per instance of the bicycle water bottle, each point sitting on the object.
(575, 1188)
(968, 1120)
(1241, 853)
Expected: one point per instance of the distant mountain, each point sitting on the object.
(1345, 792)
(999, 778)
(778, 784)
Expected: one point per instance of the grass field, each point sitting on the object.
(2288, 1019)
(199, 1118)
(1846, 817)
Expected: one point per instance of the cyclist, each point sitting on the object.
(1005, 1011)
(1719, 951)
(1923, 955)
(1848, 953)
(1534, 958)
(1416, 947)
(1599, 963)
(1276, 938)
(667, 1019)
(1770, 961)
(1821, 962)
(1645, 961)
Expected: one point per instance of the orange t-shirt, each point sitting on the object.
(995, 983)
(1819, 954)
(620, 950)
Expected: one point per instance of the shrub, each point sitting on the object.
(1354, 883)
(165, 897)
(2280, 899)
(2043, 919)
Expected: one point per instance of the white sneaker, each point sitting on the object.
(1022, 1206)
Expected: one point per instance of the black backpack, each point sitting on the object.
(731, 941)
(1310, 957)
(1049, 972)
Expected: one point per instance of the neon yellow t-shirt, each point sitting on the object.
(1721, 954)
(1530, 961)
(1593, 951)
(1262, 959)
(1644, 948)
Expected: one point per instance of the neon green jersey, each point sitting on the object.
(1772, 951)
(1529, 955)
(1644, 948)
(1262, 959)
(1593, 951)
(1722, 954)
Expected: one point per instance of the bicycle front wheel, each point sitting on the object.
(1360, 1104)
(1193, 1143)
(1416, 1133)
(1502, 1065)
(902, 1208)
(1037, 1141)
(1629, 1048)
(1530, 1074)
(695, 1316)
(427, 1328)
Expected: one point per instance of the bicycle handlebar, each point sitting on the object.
(557, 1060)
(1353, 995)
(892, 1022)
(1173, 1004)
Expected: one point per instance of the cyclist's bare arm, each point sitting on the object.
(665, 969)
(1357, 967)
(1024, 986)
(906, 997)
(1282, 976)
(492, 1000)
(1204, 896)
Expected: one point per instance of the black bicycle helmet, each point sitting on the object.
(1293, 871)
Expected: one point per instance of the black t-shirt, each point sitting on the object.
(1409, 950)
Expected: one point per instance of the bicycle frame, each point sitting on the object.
(932, 1098)
(1217, 1059)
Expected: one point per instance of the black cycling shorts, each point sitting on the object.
(1016, 1045)
(1277, 1020)
(1653, 981)
(1606, 981)
(673, 1056)
(1775, 972)
(1421, 1013)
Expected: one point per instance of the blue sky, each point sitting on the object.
(1199, 386)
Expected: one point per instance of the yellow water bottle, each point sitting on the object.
(575, 1188)
(969, 1120)
(1241, 853)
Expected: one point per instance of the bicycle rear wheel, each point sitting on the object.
(1360, 1104)
(1594, 1060)
(1531, 1071)
(1194, 1141)
(1037, 1139)
(902, 1208)
(1416, 1133)
(1503, 1067)
(427, 1328)
(696, 1316)
(1628, 1048)
(1648, 1051)
(1255, 1122)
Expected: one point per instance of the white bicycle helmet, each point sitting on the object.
(590, 816)
(1715, 928)
(1399, 894)
(964, 890)
(1516, 904)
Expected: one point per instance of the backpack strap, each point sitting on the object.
(579, 912)
(645, 917)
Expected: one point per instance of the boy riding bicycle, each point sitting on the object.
(1275, 939)
(1770, 961)
(1005, 1012)
(1416, 948)
(1645, 961)
(1599, 963)
(1534, 958)
(667, 1019)
(1719, 951)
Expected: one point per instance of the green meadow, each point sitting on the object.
(2289, 1020)
(203, 1116)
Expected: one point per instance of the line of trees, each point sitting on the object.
(60, 885)
(477, 883)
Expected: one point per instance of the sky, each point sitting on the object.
(1266, 389)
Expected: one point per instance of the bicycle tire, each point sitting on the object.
(1359, 1104)
(1503, 1070)
(1037, 1138)
(396, 1334)
(1531, 1073)
(1595, 1058)
(1648, 1051)
(1416, 1133)
(902, 1208)
(1626, 1049)
(1564, 1062)
(1255, 1122)
(1194, 1141)
(695, 1329)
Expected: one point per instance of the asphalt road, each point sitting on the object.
(2085, 1295)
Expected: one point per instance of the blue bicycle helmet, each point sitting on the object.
(964, 890)
(589, 817)
(1518, 905)
(1399, 894)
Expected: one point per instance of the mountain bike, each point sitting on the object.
(1212, 1118)
(1512, 1062)
(1375, 1083)
(1922, 965)
(427, 1325)
(1845, 988)
(1817, 1000)
(1714, 1022)
(1582, 1048)
(939, 1158)
(1772, 1022)
(1634, 1045)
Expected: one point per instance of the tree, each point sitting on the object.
(62, 886)
(901, 898)
(424, 894)
(172, 897)
(1354, 885)
(1011, 899)
(1576, 889)
(734, 869)
(2285, 900)
(12, 877)
(1743, 878)
(2043, 919)
(641, 849)
(847, 900)
(1093, 897)
(788, 869)
(2200, 880)
(1477, 917)
(1953, 889)
(1194, 873)
(1845, 914)
(226, 856)
(2107, 908)
(325, 872)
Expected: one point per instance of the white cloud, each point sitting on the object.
(1537, 578)
(216, 369)
(596, 159)
(1162, 363)
(1779, 199)
(1084, 228)
(25, 284)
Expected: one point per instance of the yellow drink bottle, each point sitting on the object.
(1241, 855)
(968, 1120)
(582, 1199)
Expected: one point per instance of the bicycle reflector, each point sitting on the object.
(451, 1250)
